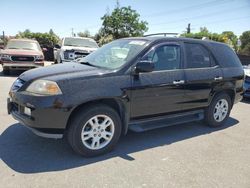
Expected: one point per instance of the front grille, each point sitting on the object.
(17, 85)
(70, 54)
(23, 58)
(81, 53)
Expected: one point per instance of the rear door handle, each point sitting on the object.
(218, 78)
(178, 82)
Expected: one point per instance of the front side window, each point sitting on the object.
(165, 57)
(198, 56)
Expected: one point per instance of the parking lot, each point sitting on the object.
(189, 155)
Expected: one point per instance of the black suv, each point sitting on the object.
(132, 83)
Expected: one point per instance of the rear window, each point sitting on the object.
(225, 55)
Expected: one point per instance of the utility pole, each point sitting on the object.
(72, 32)
(189, 28)
(3, 38)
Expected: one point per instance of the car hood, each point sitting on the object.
(20, 52)
(88, 49)
(62, 72)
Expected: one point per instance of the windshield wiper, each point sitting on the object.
(87, 63)
(13, 48)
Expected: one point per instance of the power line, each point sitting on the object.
(208, 23)
(201, 16)
(201, 5)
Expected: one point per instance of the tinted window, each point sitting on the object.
(165, 57)
(225, 55)
(198, 56)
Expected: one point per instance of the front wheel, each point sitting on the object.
(94, 130)
(218, 111)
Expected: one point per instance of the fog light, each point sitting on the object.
(27, 111)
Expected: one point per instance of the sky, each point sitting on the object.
(161, 15)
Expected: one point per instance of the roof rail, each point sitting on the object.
(165, 34)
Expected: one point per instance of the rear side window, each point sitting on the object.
(225, 56)
(198, 56)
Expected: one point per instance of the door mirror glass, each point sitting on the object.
(144, 66)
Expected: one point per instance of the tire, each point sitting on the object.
(84, 132)
(6, 71)
(218, 111)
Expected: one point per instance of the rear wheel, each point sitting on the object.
(94, 131)
(218, 111)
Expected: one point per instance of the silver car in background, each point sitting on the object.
(72, 48)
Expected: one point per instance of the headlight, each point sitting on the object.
(44, 87)
(39, 58)
(5, 57)
(247, 72)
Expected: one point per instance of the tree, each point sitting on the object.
(227, 37)
(45, 39)
(245, 43)
(231, 39)
(86, 33)
(123, 22)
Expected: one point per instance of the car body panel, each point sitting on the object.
(138, 96)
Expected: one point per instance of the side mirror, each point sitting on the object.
(144, 66)
(57, 46)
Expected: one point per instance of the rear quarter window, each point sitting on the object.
(225, 56)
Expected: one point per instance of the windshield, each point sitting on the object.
(80, 42)
(115, 54)
(24, 45)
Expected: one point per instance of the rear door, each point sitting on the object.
(202, 74)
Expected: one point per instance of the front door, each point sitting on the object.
(160, 91)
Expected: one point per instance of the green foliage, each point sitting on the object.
(227, 36)
(86, 33)
(245, 43)
(44, 39)
(105, 39)
(122, 22)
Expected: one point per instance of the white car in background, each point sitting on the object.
(72, 48)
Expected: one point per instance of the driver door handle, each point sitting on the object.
(178, 82)
(218, 78)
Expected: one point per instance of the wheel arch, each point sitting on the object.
(117, 104)
(230, 91)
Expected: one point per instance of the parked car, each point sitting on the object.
(247, 81)
(21, 54)
(72, 48)
(134, 83)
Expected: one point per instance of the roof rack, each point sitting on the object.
(165, 34)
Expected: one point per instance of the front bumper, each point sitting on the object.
(22, 65)
(45, 119)
(246, 88)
